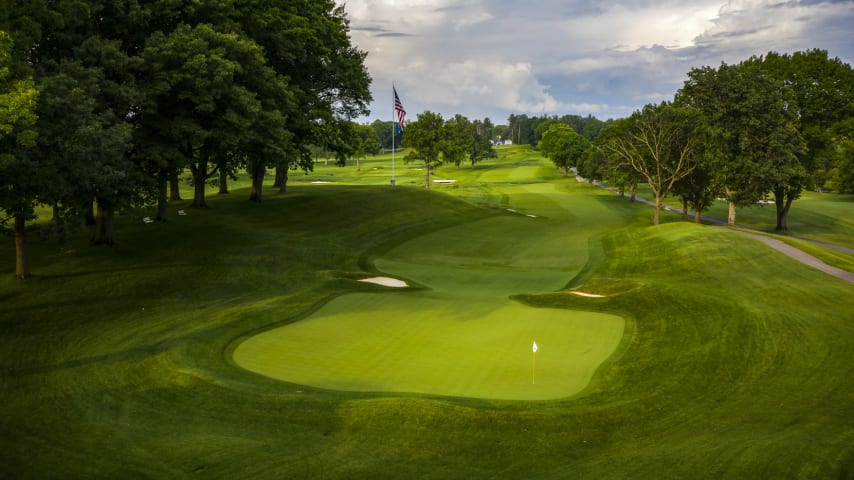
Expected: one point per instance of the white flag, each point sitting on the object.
(535, 347)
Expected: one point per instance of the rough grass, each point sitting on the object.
(736, 361)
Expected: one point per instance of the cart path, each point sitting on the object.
(778, 245)
(801, 256)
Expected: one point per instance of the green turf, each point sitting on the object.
(389, 342)
(463, 336)
(735, 360)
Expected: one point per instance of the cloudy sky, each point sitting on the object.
(491, 58)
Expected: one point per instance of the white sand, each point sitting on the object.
(317, 182)
(386, 282)
(583, 294)
(444, 181)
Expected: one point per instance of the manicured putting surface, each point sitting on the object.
(424, 344)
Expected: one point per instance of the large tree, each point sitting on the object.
(748, 129)
(308, 42)
(211, 93)
(19, 175)
(822, 99)
(425, 137)
(658, 143)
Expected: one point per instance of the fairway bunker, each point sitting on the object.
(386, 282)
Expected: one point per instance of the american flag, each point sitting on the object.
(399, 111)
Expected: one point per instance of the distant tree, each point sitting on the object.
(366, 143)
(480, 149)
(658, 143)
(424, 137)
(563, 146)
(593, 164)
(841, 174)
(383, 131)
(457, 140)
(697, 190)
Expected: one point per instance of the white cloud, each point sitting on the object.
(496, 57)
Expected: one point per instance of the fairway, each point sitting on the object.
(462, 336)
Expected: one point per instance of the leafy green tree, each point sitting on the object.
(211, 93)
(308, 42)
(425, 137)
(697, 190)
(563, 146)
(822, 92)
(457, 140)
(748, 130)
(383, 131)
(366, 143)
(841, 175)
(593, 164)
(19, 174)
(480, 148)
(658, 143)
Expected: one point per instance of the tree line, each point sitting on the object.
(769, 126)
(103, 104)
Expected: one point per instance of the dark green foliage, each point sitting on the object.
(563, 146)
(748, 133)
(426, 137)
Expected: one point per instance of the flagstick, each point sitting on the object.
(393, 128)
(533, 368)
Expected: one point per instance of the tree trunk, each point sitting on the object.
(174, 187)
(223, 180)
(783, 204)
(279, 178)
(427, 175)
(634, 192)
(103, 226)
(22, 269)
(257, 174)
(283, 188)
(162, 197)
(89, 213)
(200, 177)
(656, 217)
(358, 165)
(731, 217)
(697, 215)
(685, 207)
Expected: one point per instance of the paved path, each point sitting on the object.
(801, 256)
(778, 245)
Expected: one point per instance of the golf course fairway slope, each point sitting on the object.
(463, 335)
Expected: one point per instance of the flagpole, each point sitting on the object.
(393, 128)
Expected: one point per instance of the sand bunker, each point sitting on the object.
(584, 294)
(444, 181)
(386, 282)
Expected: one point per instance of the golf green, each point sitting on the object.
(434, 345)
(463, 335)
